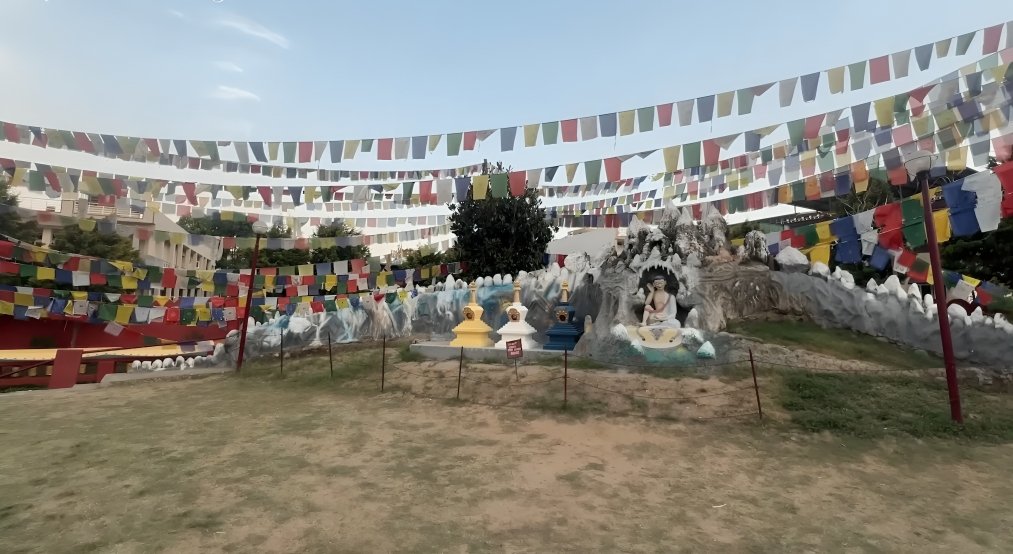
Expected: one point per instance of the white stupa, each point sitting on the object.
(517, 326)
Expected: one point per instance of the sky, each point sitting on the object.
(322, 70)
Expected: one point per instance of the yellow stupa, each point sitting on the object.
(472, 332)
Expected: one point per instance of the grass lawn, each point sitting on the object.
(835, 342)
(300, 462)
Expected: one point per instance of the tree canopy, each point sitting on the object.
(501, 235)
(11, 224)
(240, 258)
(986, 256)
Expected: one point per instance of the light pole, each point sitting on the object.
(918, 167)
(259, 229)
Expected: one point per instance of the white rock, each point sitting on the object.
(836, 274)
(847, 280)
(135, 365)
(167, 363)
(298, 325)
(917, 308)
(508, 280)
(871, 286)
(928, 301)
(914, 292)
(497, 279)
(790, 257)
(692, 320)
(892, 284)
(145, 365)
(189, 362)
(820, 269)
(180, 361)
(706, 351)
(156, 365)
(956, 312)
(977, 316)
(881, 290)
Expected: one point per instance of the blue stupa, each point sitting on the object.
(563, 335)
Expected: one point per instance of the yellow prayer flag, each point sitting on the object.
(671, 155)
(835, 78)
(942, 222)
(424, 273)
(956, 158)
(479, 186)
(269, 281)
(823, 231)
(125, 267)
(530, 134)
(207, 286)
(784, 194)
(971, 280)
(23, 299)
(820, 253)
(79, 295)
(6, 308)
(305, 269)
(571, 171)
(884, 111)
(203, 313)
(39, 256)
(725, 103)
(351, 147)
(626, 120)
(128, 282)
(45, 274)
(19, 177)
(123, 314)
(330, 281)
(343, 303)
(86, 225)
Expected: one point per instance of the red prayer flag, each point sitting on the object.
(426, 192)
(1005, 174)
(83, 142)
(889, 219)
(168, 278)
(991, 42)
(97, 279)
(305, 151)
(11, 132)
(152, 145)
(518, 180)
(569, 130)
(383, 151)
(711, 152)
(664, 114)
(470, 137)
(190, 190)
(879, 69)
(613, 169)
(265, 194)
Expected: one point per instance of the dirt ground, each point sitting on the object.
(254, 465)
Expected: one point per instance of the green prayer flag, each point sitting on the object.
(913, 217)
(454, 144)
(36, 181)
(798, 190)
(645, 118)
(690, 155)
(115, 281)
(745, 97)
(857, 72)
(212, 149)
(366, 145)
(499, 184)
(550, 131)
(406, 191)
(28, 271)
(812, 237)
(257, 312)
(107, 312)
(187, 316)
(145, 301)
(592, 171)
(826, 160)
(795, 131)
(286, 270)
(767, 154)
(330, 306)
(342, 288)
(289, 149)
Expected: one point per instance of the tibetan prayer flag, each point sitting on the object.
(569, 130)
(479, 186)
(517, 183)
(626, 120)
(498, 184)
(550, 132)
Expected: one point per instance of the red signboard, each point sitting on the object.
(514, 349)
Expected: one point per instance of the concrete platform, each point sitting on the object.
(443, 351)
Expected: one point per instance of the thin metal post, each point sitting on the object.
(566, 377)
(383, 362)
(516, 377)
(249, 300)
(330, 355)
(940, 296)
(756, 386)
(460, 369)
(281, 354)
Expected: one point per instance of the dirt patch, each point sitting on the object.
(241, 465)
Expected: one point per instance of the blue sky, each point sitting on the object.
(270, 70)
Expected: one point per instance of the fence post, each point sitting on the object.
(756, 386)
(460, 369)
(383, 362)
(566, 377)
(281, 354)
(330, 355)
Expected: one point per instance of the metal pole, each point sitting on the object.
(460, 369)
(281, 354)
(566, 377)
(330, 356)
(756, 386)
(249, 300)
(940, 295)
(383, 363)
(516, 377)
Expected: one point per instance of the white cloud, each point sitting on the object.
(255, 30)
(175, 13)
(228, 66)
(232, 93)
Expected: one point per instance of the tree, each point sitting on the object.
(501, 235)
(879, 192)
(95, 244)
(336, 253)
(424, 256)
(986, 256)
(11, 223)
(241, 258)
